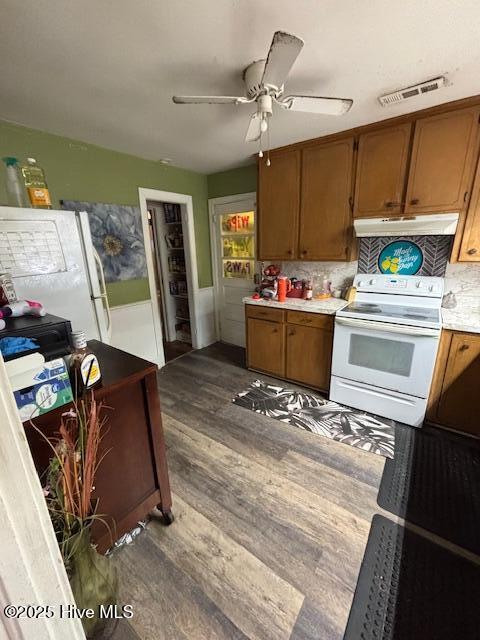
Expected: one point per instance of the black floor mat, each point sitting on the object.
(410, 588)
(433, 480)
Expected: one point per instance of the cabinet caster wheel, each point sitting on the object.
(167, 517)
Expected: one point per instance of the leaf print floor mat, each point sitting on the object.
(318, 415)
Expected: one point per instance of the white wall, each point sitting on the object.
(133, 331)
(32, 570)
(206, 317)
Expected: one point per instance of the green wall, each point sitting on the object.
(229, 183)
(79, 171)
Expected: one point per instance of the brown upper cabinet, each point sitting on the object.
(442, 159)
(279, 206)
(381, 171)
(320, 178)
(470, 247)
(414, 165)
(325, 214)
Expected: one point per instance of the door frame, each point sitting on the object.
(32, 567)
(211, 219)
(186, 203)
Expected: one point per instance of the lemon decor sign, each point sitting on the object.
(401, 257)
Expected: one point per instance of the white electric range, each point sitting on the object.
(385, 346)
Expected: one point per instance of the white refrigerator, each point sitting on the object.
(51, 258)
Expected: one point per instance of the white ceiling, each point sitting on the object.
(104, 71)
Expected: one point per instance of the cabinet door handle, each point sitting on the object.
(291, 332)
(414, 201)
(303, 252)
(306, 320)
(464, 347)
(472, 252)
(289, 252)
(390, 203)
(275, 330)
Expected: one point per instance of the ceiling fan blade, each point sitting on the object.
(254, 130)
(284, 50)
(317, 104)
(210, 99)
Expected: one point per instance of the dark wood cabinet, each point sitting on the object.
(381, 171)
(295, 345)
(325, 215)
(309, 352)
(279, 206)
(420, 163)
(132, 478)
(455, 387)
(470, 247)
(266, 346)
(442, 161)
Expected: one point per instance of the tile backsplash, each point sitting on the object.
(340, 273)
(462, 279)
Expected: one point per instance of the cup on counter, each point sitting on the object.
(337, 293)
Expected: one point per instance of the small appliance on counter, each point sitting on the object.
(51, 334)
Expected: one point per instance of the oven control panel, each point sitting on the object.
(422, 286)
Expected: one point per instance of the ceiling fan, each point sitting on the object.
(264, 82)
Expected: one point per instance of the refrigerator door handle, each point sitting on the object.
(103, 292)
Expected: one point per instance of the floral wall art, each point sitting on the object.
(117, 236)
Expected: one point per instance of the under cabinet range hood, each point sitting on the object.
(438, 224)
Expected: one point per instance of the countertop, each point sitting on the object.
(461, 319)
(117, 366)
(329, 306)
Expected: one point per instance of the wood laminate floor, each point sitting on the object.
(175, 349)
(271, 522)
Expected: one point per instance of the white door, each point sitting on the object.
(233, 247)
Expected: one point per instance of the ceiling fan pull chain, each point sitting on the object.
(268, 147)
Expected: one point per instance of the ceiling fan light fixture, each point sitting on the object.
(264, 84)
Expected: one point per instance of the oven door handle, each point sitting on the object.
(387, 327)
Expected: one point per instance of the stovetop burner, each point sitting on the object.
(396, 313)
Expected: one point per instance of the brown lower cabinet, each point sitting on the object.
(266, 346)
(294, 345)
(455, 390)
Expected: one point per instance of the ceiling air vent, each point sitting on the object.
(411, 92)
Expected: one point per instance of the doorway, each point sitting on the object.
(233, 235)
(166, 222)
(172, 269)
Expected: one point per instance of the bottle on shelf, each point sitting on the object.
(84, 368)
(16, 194)
(36, 185)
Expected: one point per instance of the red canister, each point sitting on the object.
(284, 286)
